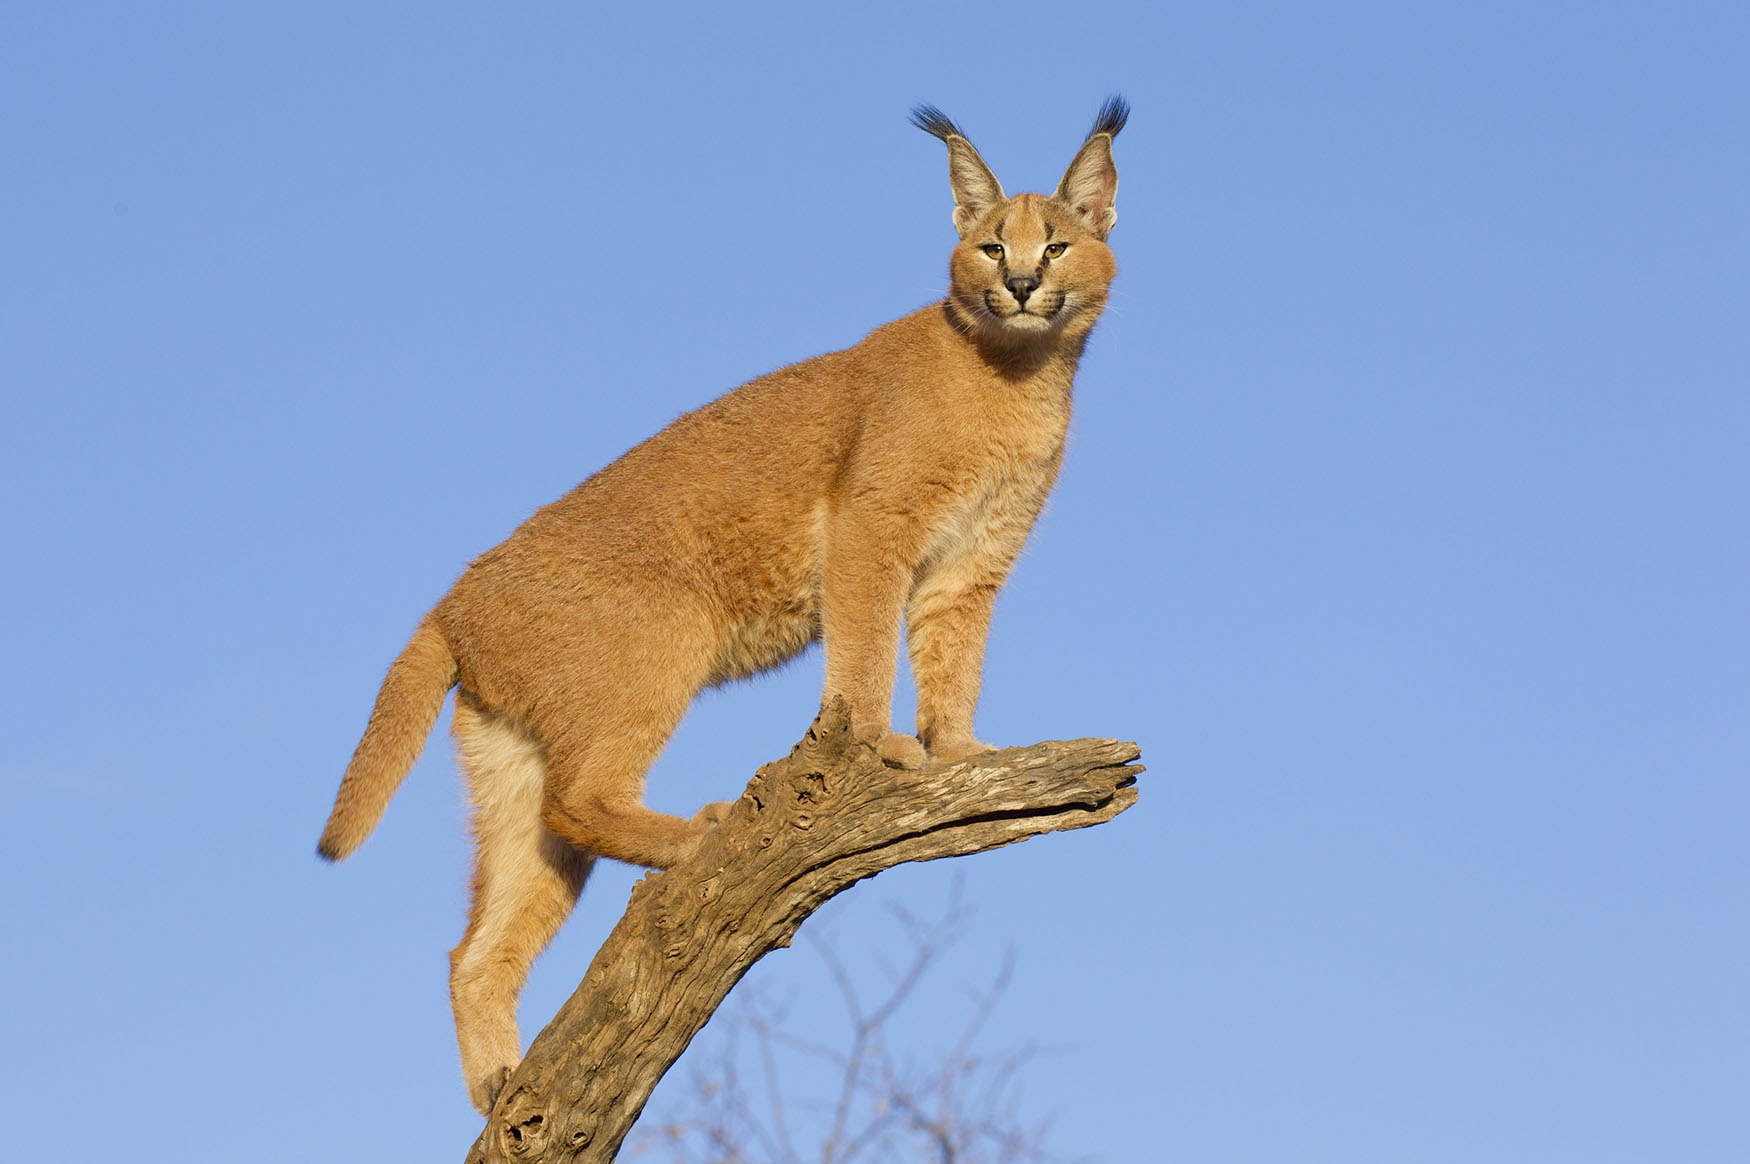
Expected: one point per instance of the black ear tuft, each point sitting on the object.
(1111, 117)
(932, 120)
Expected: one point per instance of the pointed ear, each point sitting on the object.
(1090, 185)
(976, 190)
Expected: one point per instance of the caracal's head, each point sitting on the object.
(1031, 267)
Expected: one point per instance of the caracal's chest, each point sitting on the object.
(996, 483)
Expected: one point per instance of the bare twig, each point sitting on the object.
(972, 1114)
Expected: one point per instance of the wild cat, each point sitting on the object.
(895, 479)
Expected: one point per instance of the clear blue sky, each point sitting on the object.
(1404, 526)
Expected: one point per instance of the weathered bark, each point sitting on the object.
(808, 827)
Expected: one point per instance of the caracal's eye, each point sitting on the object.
(993, 250)
(1055, 250)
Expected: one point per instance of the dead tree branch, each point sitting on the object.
(808, 827)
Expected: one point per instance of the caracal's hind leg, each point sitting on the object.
(595, 792)
(615, 725)
(526, 881)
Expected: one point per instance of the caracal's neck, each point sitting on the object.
(1045, 358)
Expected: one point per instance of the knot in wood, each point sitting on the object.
(524, 1132)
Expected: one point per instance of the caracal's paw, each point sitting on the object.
(898, 750)
(486, 1091)
(699, 827)
(953, 751)
(714, 813)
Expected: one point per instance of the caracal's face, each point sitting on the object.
(1029, 268)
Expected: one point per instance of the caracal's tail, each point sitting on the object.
(407, 706)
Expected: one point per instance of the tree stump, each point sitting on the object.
(808, 827)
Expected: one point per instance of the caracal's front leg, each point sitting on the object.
(948, 621)
(947, 624)
(863, 591)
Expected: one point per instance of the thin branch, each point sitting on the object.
(775, 1094)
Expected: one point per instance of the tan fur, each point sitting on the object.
(897, 478)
